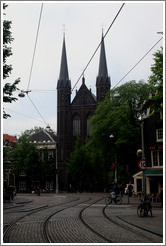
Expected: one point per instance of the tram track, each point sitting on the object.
(9, 228)
(46, 233)
(129, 226)
(87, 215)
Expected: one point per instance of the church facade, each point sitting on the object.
(73, 117)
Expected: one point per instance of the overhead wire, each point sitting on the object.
(137, 62)
(88, 61)
(37, 110)
(33, 57)
(25, 115)
(98, 46)
(84, 68)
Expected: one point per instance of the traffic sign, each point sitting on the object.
(142, 164)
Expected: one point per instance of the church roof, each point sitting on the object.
(84, 96)
(64, 75)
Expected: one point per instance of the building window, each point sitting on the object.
(76, 126)
(22, 173)
(22, 185)
(49, 185)
(157, 158)
(159, 135)
(89, 126)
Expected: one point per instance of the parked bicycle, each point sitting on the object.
(113, 198)
(144, 207)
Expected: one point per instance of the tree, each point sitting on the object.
(26, 158)
(79, 168)
(117, 116)
(8, 88)
(156, 82)
(33, 130)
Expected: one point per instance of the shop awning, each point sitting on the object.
(154, 172)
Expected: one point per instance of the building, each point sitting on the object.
(8, 174)
(45, 142)
(153, 141)
(73, 117)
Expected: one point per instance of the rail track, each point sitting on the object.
(79, 220)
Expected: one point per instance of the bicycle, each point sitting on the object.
(144, 207)
(113, 198)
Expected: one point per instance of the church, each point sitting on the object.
(73, 117)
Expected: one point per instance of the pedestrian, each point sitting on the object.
(38, 190)
(130, 189)
(121, 190)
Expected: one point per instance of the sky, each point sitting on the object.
(132, 35)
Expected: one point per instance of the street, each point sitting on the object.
(78, 218)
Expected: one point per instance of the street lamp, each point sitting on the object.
(116, 169)
(22, 93)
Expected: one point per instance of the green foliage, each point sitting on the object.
(156, 82)
(25, 156)
(92, 163)
(33, 130)
(8, 88)
(118, 116)
(79, 166)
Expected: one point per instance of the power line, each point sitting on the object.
(35, 46)
(28, 116)
(37, 110)
(98, 46)
(137, 62)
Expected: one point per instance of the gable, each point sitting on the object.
(84, 97)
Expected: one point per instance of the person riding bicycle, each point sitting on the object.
(114, 192)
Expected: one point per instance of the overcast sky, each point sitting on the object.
(133, 33)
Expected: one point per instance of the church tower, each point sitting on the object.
(73, 117)
(103, 83)
(63, 115)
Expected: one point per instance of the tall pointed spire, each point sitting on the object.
(64, 76)
(102, 81)
(102, 63)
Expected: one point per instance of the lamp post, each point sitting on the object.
(143, 155)
(56, 167)
(115, 95)
(116, 168)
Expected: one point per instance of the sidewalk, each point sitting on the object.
(153, 224)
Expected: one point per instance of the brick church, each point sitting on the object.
(73, 117)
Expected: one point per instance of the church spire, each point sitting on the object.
(64, 76)
(102, 63)
(102, 81)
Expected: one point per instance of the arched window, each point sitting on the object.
(89, 126)
(76, 126)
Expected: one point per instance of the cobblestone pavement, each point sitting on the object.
(75, 219)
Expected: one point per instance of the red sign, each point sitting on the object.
(142, 164)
